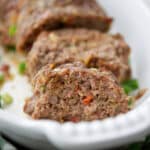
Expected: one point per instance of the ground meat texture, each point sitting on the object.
(39, 15)
(91, 47)
(6, 7)
(9, 10)
(74, 93)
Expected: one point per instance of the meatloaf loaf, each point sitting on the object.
(92, 47)
(39, 15)
(72, 92)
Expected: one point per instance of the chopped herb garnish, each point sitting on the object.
(137, 146)
(130, 85)
(12, 30)
(130, 102)
(22, 68)
(2, 78)
(6, 99)
(11, 48)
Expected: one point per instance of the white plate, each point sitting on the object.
(132, 19)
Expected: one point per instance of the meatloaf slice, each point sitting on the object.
(39, 15)
(92, 47)
(9, 10)
(72, 92)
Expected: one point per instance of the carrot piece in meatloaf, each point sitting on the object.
(72, 92)
(93, 48)
(39, 15)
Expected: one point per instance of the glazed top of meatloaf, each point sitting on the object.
(40, 15)
(69, 45)
(65, 93)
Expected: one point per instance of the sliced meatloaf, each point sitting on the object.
(72, 92)
(92, 47)
(39, 15)
(9, 10)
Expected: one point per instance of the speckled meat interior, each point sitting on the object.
(72, 92)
